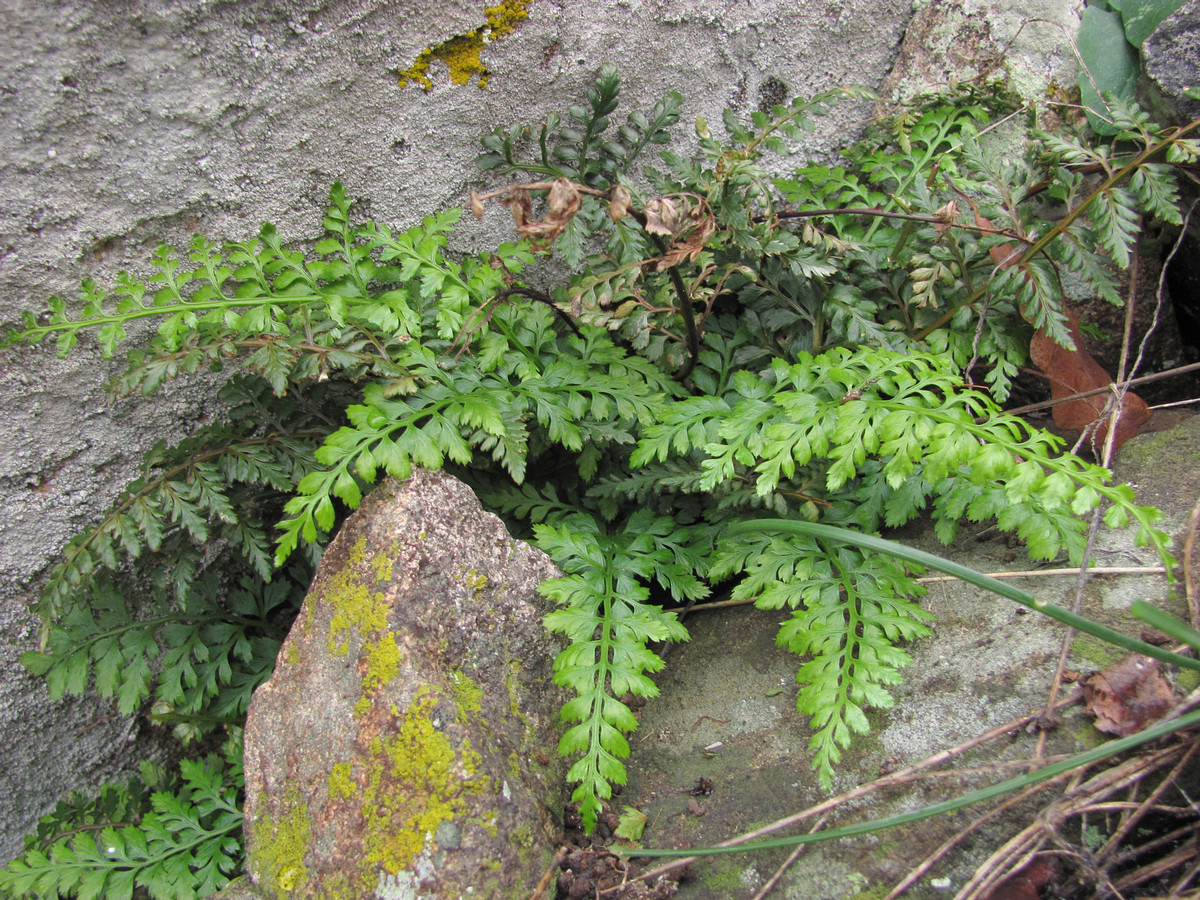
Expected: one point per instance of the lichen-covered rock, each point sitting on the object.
(405, 746)
(1171, 58)
(1023, 48)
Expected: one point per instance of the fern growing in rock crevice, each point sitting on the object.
(731, 343)
(173, 836)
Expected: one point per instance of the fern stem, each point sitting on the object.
(1063, 224)
(1108, 184)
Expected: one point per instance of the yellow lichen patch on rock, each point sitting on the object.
(468, 693)
(281, 853)
(417, 781)
(357, 608)
(462, 53)
(340, 782)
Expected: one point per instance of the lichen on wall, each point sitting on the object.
(462, 54)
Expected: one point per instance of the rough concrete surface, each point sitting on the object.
(127, 123)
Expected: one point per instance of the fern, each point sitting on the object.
(733, 339)
(176, 843)
(608, 622)
(897, 435)
(849, 613)
(220, 644)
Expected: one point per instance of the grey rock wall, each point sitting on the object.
(126, 123)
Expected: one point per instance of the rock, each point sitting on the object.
(241, 888)
(1171, 59)
(406, 744)
(1022, 48)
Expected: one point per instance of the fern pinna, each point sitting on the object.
(732, 343)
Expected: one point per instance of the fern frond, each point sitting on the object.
(187, 844)
(849, 611)
(605, 615)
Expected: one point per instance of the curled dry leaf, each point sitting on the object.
(1128, 695)
(564, 199)
(476, 205)
(688, 248)
(520, 205)
(945, 218)
(687, 219)
(618, 205)
(663, 216)
(562, 203)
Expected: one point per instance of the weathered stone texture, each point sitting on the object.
(406, 744)
(1171, 58)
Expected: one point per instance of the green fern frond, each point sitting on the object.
(183, 842)
(605, 615)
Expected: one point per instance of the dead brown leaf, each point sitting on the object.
(562, 203)
(476, 205)
(687, 219)
(1128, 695)
(663, 216)
(619, 203)
(945, 218)
(688, 248)
(564, 199)
(520, 205)
(1073, 371)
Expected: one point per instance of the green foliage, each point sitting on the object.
(174, 837)
(581, 152)
(198, 662)
(733, 342)
(606, 618)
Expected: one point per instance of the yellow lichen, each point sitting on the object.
(359, 610)
(511, 672)
(461, 53)
(281, 845)
(381, 565)
(418, 781)
(468, 694)
(340, 783)
(475, 581)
